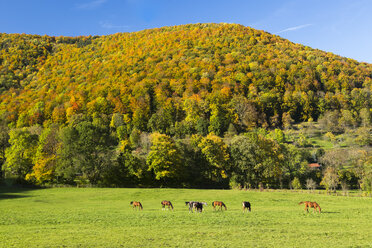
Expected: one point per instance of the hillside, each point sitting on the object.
(203, 105)
(195, 76)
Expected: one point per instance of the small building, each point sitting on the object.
(315, 166)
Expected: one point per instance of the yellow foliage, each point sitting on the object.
(42, 170)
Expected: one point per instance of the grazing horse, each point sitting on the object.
(198, 206)
(136, 204)
(309, 204)
(218, 204)
(191, 205)
(166, 203)
(246, 205)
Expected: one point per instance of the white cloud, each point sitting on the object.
(91, 5)
(294, 28)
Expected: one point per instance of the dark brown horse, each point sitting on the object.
(218, 204)
(198, 206)
(166, 203)
(136, 204)
(309, 204)
(246, 205)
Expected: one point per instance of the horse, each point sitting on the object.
(166, 203)
(136, 204)
(246, 205)
(218, 204)
(309, 204)
(198, 206)
(191, 205)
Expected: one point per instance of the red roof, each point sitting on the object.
(314, 165)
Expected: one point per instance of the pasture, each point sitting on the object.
(101, 217)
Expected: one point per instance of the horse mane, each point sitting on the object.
(223, 204)
(171, 204)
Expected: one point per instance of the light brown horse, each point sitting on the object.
(218, 204)
(309, 204)
(136, 204)
(166, 203)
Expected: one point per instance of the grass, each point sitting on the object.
(96, 217)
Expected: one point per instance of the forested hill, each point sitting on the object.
(197, 78)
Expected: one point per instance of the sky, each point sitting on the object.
(343, 27)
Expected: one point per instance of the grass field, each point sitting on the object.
(96, 217)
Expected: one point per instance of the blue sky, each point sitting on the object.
(338, 26)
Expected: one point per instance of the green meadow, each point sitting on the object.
(102, 217)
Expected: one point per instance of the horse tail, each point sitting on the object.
(301, 203)
(213, 203)
(187, 203)
(131, 203)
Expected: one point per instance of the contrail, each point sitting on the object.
(294, 28)
(108, 25)
(91, 5)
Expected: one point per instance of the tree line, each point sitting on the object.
(96, 152)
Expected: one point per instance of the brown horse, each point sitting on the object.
(218, 204)
(166, 203)
(309, 204)
(136, 204)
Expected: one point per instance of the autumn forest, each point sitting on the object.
(196, 106)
